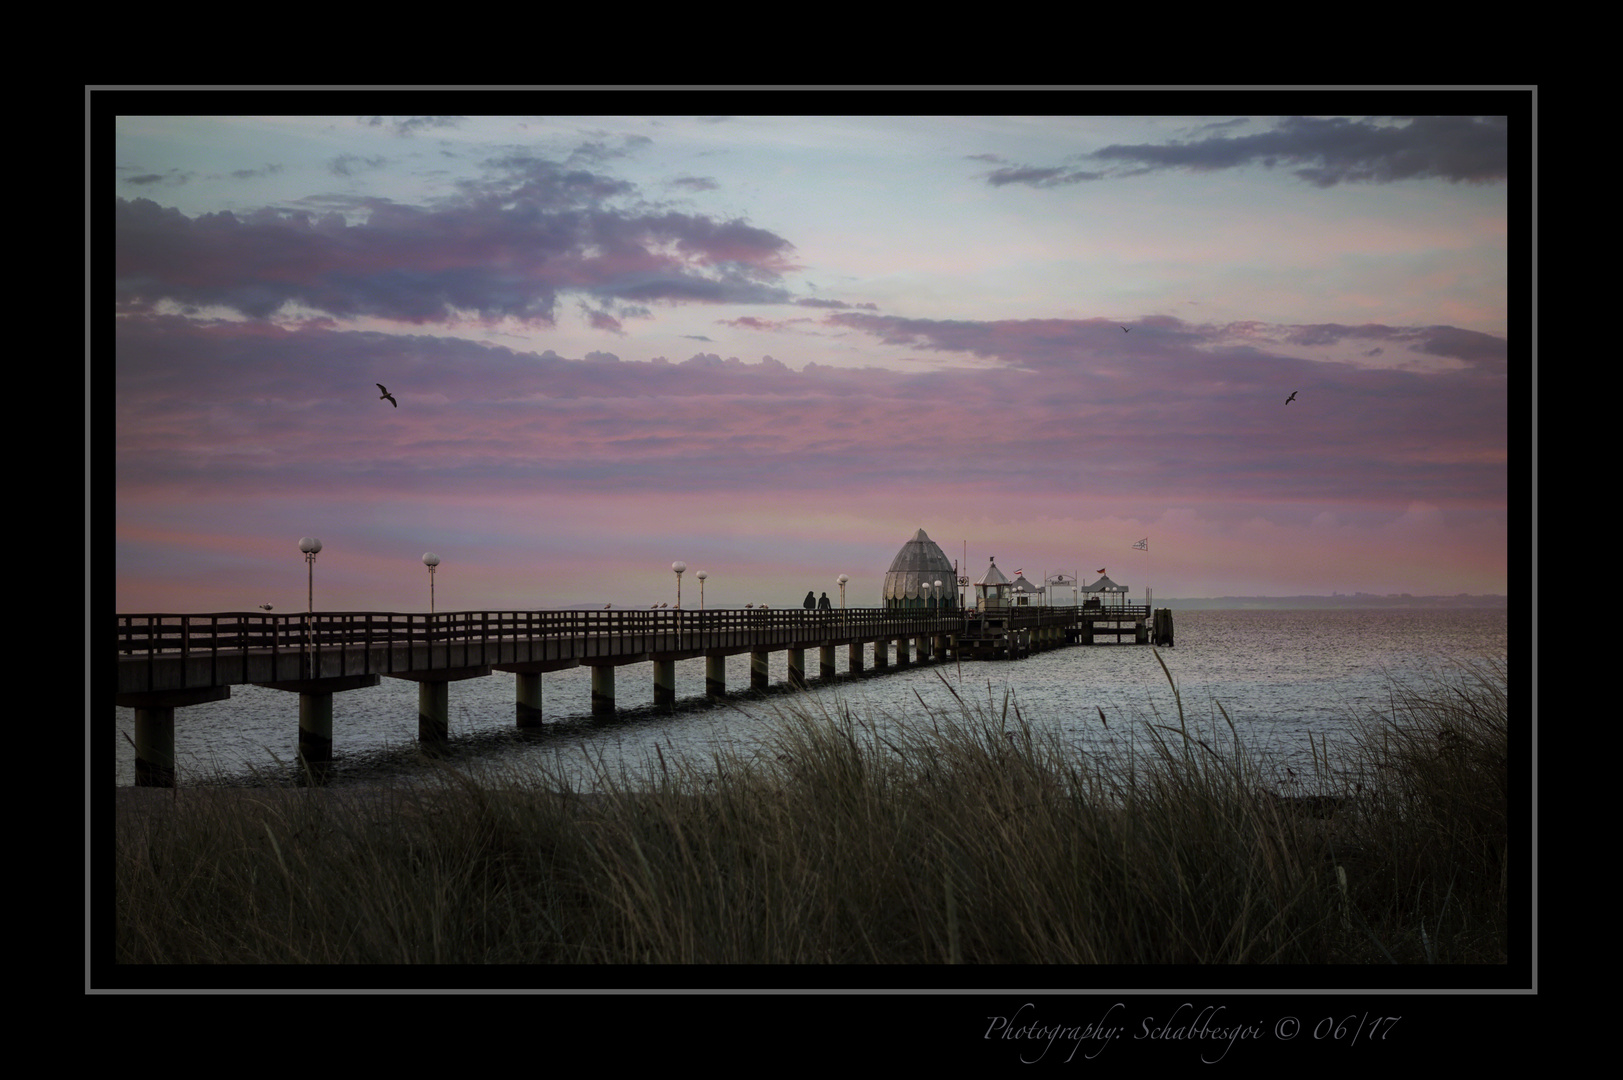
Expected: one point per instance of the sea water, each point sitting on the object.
(1293, 683)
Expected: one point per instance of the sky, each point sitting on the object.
(773, 347)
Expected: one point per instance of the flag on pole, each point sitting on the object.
(1143, 545)
(1019, 573)
(1101, 569)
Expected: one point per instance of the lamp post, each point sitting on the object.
(430, 560)
(842, 579)
(924, 590)
(938, 593)
(701, 575)
(310, 545)
(678, 567)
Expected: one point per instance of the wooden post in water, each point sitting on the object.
(529, 698)
(433, 711)
(602, 689)
(315, 730)
(664, 683)
(155, 729)
(155, 746)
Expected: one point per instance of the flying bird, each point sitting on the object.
(1292, 397)
(1125, 330)
(386, 395)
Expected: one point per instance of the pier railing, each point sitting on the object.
(154, 634)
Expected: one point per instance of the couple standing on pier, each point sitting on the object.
(821, 603)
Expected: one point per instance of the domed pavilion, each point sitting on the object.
(911, 580)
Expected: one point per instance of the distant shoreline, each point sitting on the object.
(1355, 601)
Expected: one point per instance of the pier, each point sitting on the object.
(169, 661)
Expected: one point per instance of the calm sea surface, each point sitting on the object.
(1283, 677)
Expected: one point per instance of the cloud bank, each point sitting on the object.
(1321, 151)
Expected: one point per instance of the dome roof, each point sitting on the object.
(920, 560)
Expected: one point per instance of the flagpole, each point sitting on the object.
(1144, 546)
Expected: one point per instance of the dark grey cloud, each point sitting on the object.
(167, 178)
(407, 126)
(1033, 176)
(1321, 151)
(507, 245)
(1484, 351)
(255, 174)
(351, 164)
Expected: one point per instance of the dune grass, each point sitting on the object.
(956, 835)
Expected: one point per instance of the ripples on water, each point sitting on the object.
(1282, 677)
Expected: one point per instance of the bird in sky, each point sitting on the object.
(386, 395)
(1292, 397)
(1125, 330)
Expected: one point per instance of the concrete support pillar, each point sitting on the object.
(1141, 634)
(665, 683)
(758, 680)
(155, 729)
(825, 661)
(797, 668)
(433, 711)
(881, 654)
(853, 657)
(528, 686)
(715, 675)
(901, 651)
(155, 746)
(602, 690)
(923, 643)
(315, 730)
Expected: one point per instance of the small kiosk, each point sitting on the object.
(1103, 593)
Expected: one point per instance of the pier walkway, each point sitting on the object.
(166, 661)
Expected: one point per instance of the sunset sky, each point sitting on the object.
(775, 346)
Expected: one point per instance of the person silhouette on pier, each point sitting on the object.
(810, 601)
(823, 604)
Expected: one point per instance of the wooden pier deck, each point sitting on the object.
(168, 661)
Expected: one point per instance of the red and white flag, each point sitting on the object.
(1101, 569)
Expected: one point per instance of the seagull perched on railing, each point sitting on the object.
(386, 395)
(266, 607)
